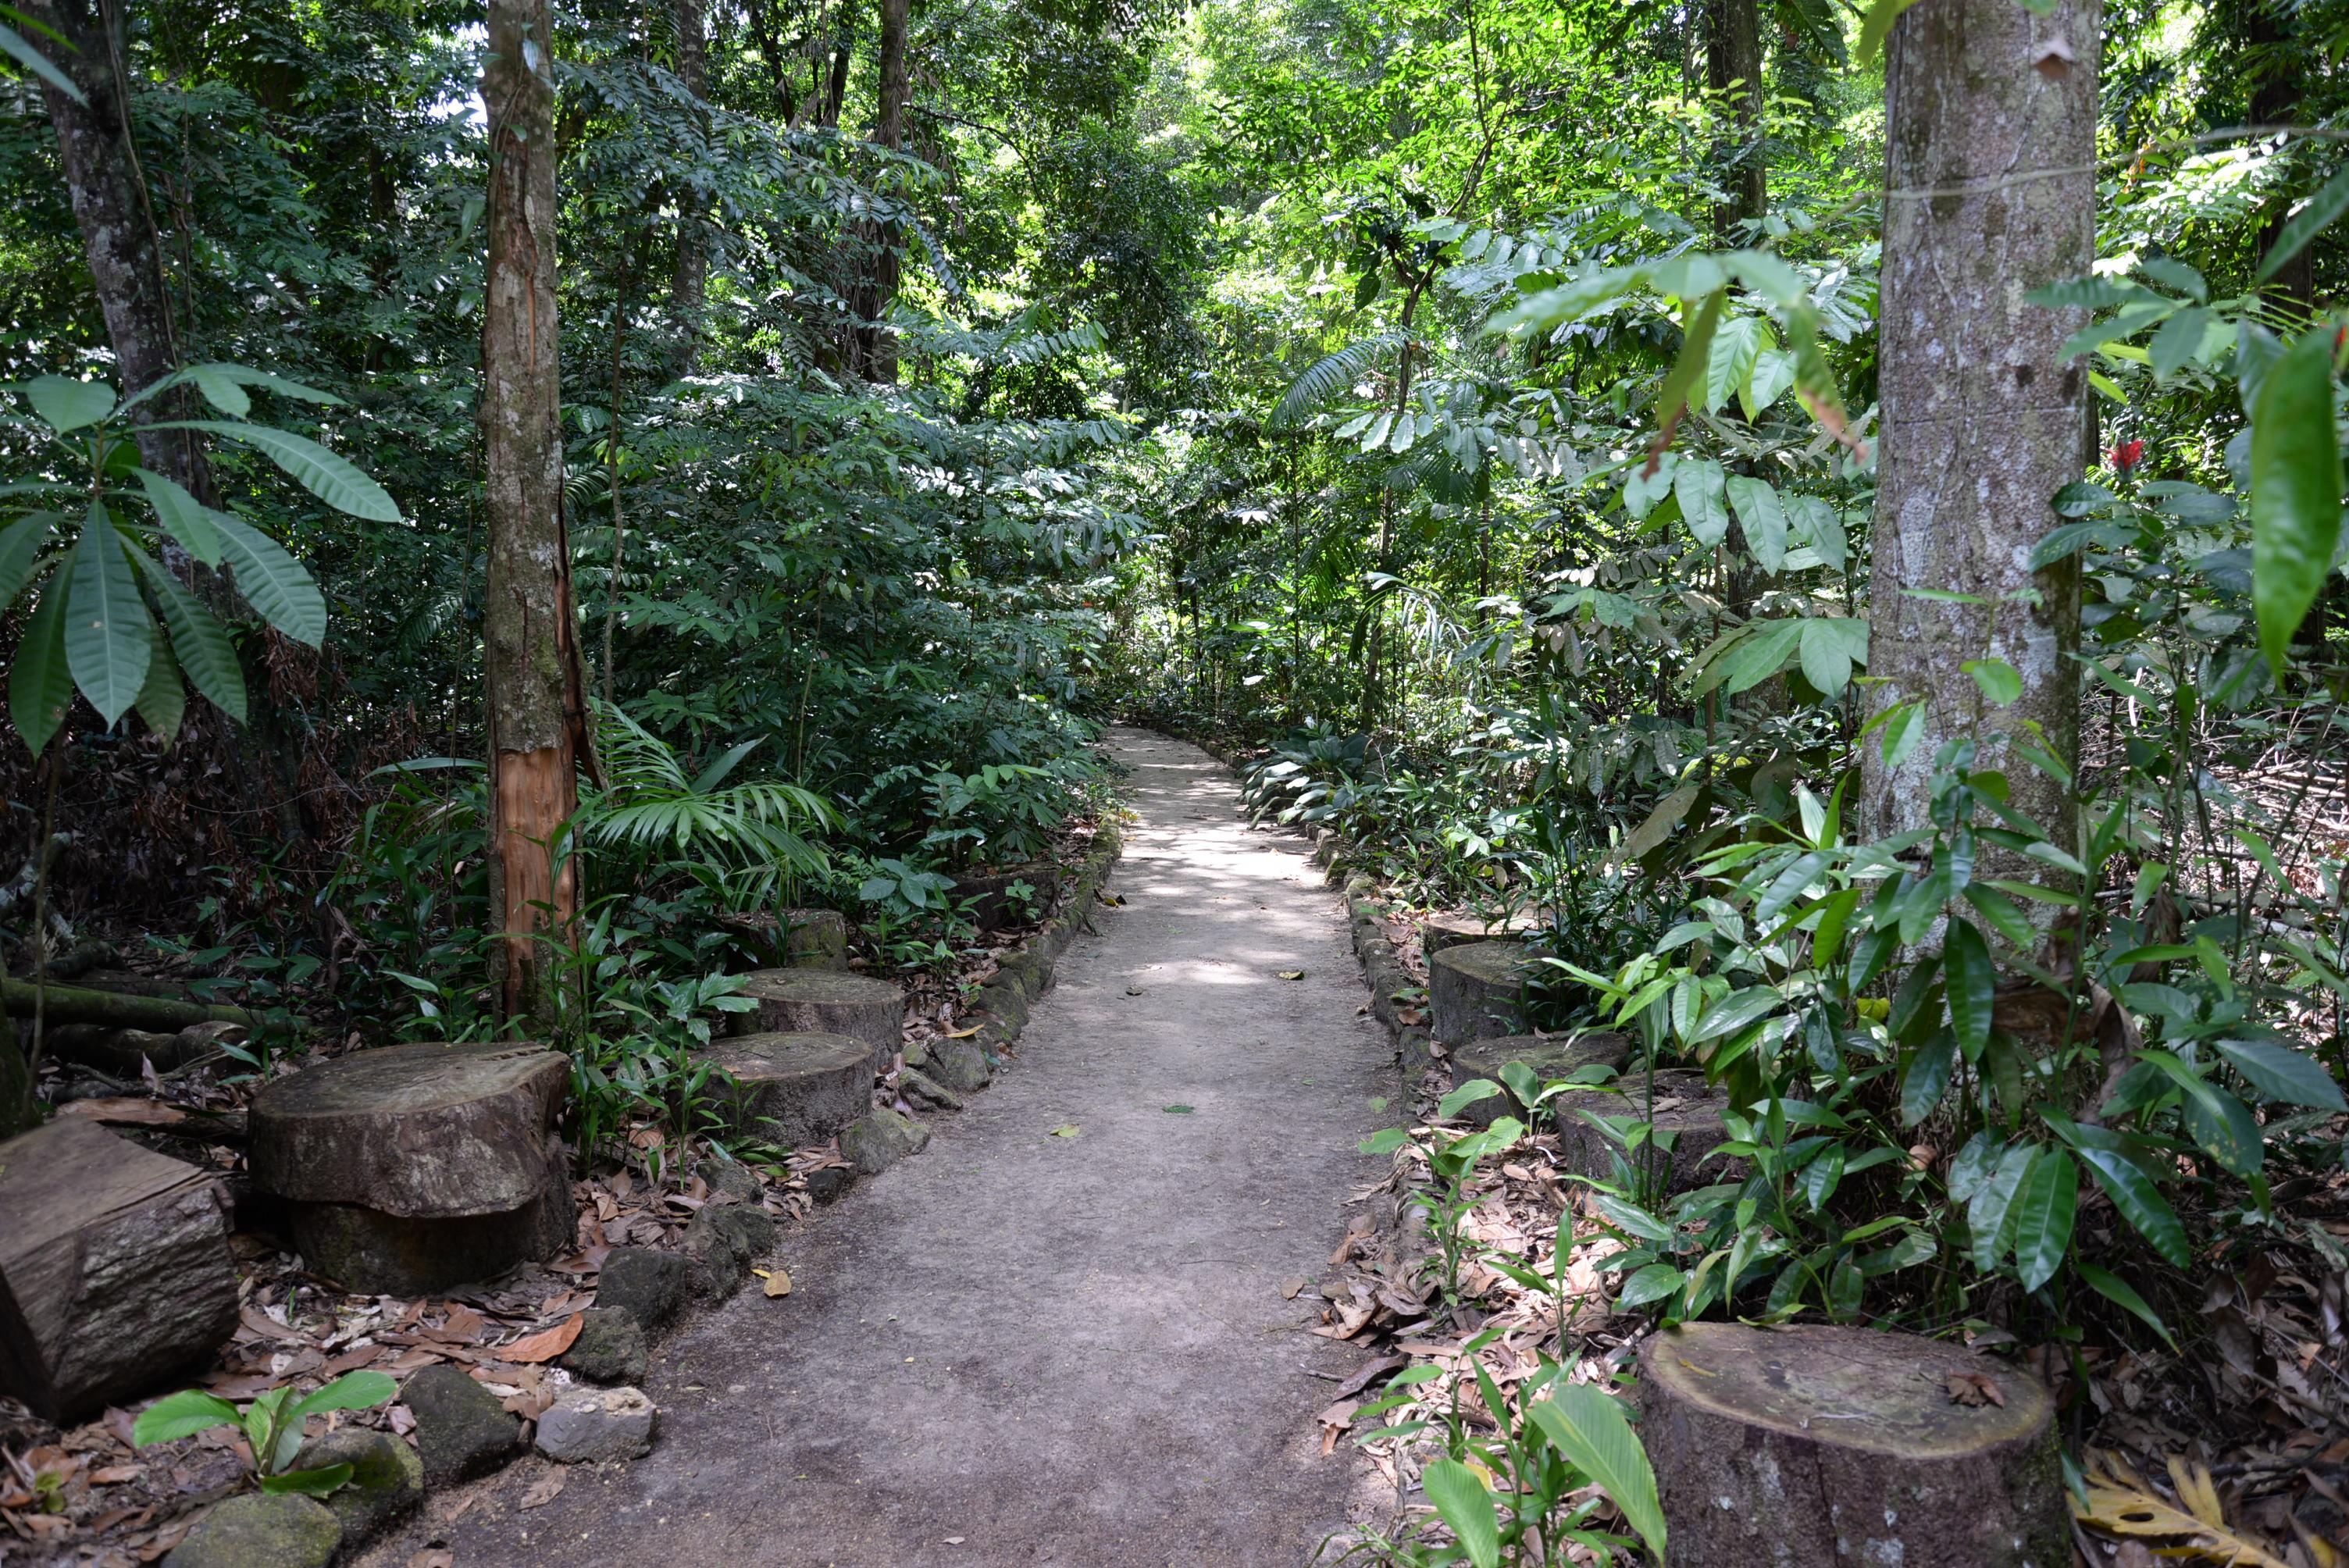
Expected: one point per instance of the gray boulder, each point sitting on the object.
(257, 1530)
(590, 1425)
(881, 1140)
(721, 1244)
(461, 1429)
(610, 1348)
(387, 1478)
(646, 1283)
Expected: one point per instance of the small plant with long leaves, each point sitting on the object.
(272, 1425)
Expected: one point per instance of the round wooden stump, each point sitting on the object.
(1551, 1058)
(1453, 927)
(1686, 1112)
(815, 938)
(992, 908)
(412, 1168)
(794, 1089)
(817, 1001)
(1474, 989)
(1811, 1445)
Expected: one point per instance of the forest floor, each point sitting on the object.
(1071, 1332)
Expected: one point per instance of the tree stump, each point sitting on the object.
(1814, 1444)
(1551, 1058)
(408, 1168)
(817, 1001)
(1475, 990)
(114, 1268)
(794, 1089)
(815, 939)
(1453, 927)
(991, 906)
(1686, 1112)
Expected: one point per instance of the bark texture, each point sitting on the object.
(536, 713)
(876, 350)
(1733, 64)
(821, 1002)
(1474, 989)
(689, 283)
(793, 1090)
(1990, 193)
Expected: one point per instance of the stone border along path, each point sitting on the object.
(1061, 1338)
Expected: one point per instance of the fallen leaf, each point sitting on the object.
(777, 1281)
(546, 1344)
(546, 1489)
(1292, 975)
(964, 1034)
(953, 1540)
(1066, 1130)
(1291, 1288)
(1973, 1389)
(115, 1475)
(1176, 1109)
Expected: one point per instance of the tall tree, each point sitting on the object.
(1732, 65)
(876, 352)
(1990, 191)
(536, 717)
(690, 284)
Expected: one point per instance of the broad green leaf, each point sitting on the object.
(2322, 211)
(2279, 1072)
(1761, 519)
(1745, 1007)
(351, 1391)
(332, 479)
(2295, 491)
(221, 390)
(1789, 885)
(110, 640)
(1927, 1078)
(309, 1482)
(1972, 986)
(1698, 483)
(2176, 276)
(1773, 372)
(1902, 732)
(1653, 1283)
(2178, 343)
(2043, 1217)
(187, 519)
(273, 582)
(1736, 344)
(67, 405)
(2115, 1289)
(1465, 1095)
(1998, 680)
(1827, 656)
(178, 1415)
(1991, 1208)
(20, 551)
(1680, 380)
(40, 686)
(1462, 1501)
(20, 49)
(162, 700)
(1819, 526)
(1588, 1427)
(206, 655)
(2135, 1195)
(1876, 27)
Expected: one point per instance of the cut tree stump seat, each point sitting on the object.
(1686, 1112)
(1821, 1446)
(1475, 991)
(1550, 1057)
(815, 938)
(795, 1090)
(407, 1168)
(114, 1268)
(1453, 927)
(819, 1002)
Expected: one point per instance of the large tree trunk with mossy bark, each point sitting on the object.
(689, 282)
(536, 712)
(1989, 193)
(876, 352)
(1732, 65)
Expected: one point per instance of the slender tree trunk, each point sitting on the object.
(531, 655)
(1989, 193)
(1733, 64)
(2276, 99)
(690, 285)
(876, 351)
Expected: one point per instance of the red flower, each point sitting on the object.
(2127, 455)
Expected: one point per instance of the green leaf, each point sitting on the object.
(351, 1391)
(1762, 520)
(2179, 342)
(206, 655)
(2281, 1073)
(162, 702)
(1927, 1078)
(2323, 208)
(110, 640)
(40, 686)
(1972, 981)
(1997, 678)
(1588, 1429)
(1736, 346)
(1461, 1500)
(20, 551)
(2135, 1195)
(178, 1415)
(1696, 344)
(1788, 885)
(1652, 1282)
(1819, 526)
(2043, 1217)
(309, 1482)
(20, 49)
(1991, 1206)
(68, 405)
(1773, 372)
(1698, 483)
(2115, 1289)
(1902, 732)
(273, 582)
(188, 520)
(1735, 1014)
(332, 479)
(2295, 491)
(1876, 28)
(1385, 1140)
(1826, 655)
(1465, 1095)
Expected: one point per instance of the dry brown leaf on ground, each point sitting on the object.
(2120, 1504)
(546, 1344)
(546, 1489)
(779, 1280)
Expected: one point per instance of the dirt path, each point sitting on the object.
(1022, 1348)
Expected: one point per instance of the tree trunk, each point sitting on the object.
(1733, 64)
(535, 713)
(2279, 84)
(1990, 191)
(690, 285)
(877, 350)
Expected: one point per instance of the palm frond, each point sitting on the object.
(1328, 375)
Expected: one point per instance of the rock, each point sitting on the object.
(387, 1478)
(817, 1001)
(646, 1283)
(730, 1182)
(114, 1268)
(792, 1090)
(829, 1183)
(461, 1429)
(922, 1086)
(1473, 991)
(721, 1244)
(1687, 1116)
(610, 1348)
(959, 1065)
(1849, 1446)
(408, 1168)
(1453, 927)
(258, 1530)
(881, 1140)
(815, 938)
(595, 1424)
(1550, 1059)
(988, 897)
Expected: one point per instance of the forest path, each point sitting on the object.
(1036, 1349)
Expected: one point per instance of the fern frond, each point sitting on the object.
(1328, 375)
